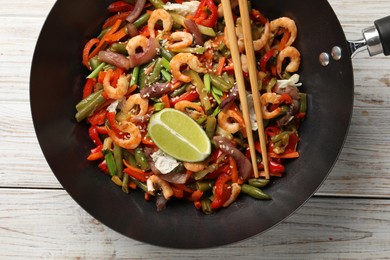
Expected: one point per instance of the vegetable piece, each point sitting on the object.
(206, 205)
(119, 6)
(254, 192)
(258, 183)
(87, 106)
(219, 83)
(139, 5)
(118, 155)
(96, 71)
(197, 81)
(206, 14)
(141, 159)
(108, 156)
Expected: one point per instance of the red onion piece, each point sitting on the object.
(132, 30)
(139, 5)
(115, 59)
(194, 29)
(244, 166)
(155, 90)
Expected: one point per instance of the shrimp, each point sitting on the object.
(295, 60)
(193, 110)
(260, 43)
(136, 106)
(240, 38)
(132, 137)
(271, 98)
(181, 59)
(164, 16)
(121, 87)
(231, 120)
(136, 42)
(181, 39)
(161, 184)
(195, 166)
(286, 23)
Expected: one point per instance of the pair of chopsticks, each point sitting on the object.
(227, 11)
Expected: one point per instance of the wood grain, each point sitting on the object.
(322, 229)
(39, 219)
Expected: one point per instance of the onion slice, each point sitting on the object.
(194, 29)
(115, 59)
(139, 5)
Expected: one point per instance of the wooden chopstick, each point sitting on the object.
(227, 11)
(250, 54)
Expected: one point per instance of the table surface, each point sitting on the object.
(349, 216)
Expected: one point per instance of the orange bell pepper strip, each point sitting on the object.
(87, 49)
(103, 41)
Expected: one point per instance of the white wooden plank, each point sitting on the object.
(322, 229)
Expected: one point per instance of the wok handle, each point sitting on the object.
(383, 27)
(376, 39)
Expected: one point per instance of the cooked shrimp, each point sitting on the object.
(189, 59)
(286, 23)
(260, 43)
(181, 39)
(136, 106)
(269, 98)
(195, 166)
(164, 16)
(240, 38)
(230, 120)
(295, 60)
(121, 87)
(136, 42)
(132, 135)
(153, 181)
(195, 111)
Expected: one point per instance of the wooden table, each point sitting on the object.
(349, 216)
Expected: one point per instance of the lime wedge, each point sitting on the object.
(179, 136)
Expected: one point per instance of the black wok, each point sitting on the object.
(57, 77)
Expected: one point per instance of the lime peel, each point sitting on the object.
(179, 136)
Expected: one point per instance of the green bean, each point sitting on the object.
(166, 54)
(211, 125)
(216, 97)
(118, 157)
(94, 62)
(157, 3)
(141, 159)
(217, 91)
(219, 83)
(166, 64)
(119, 48)
(125, 183)
(258, 183)
(303, 102)
(199, 175)
(177, 92)
(88, 105)
(139, 184)
(134, 76)
(110, 161)
(129, 158)
(166, 75)
(142, 20)
(158, 106)
(270, 85)
(204, 185)
(254, 192)
(103, 32)
(195, 50)
(198, 83)
(155, 74)
(142, 75)
(207, 82)
(206, 205)
(216, 111)
(96, 71)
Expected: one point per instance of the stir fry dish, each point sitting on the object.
(162, 106)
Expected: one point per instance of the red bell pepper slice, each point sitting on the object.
(207, 13)
(120, 6)
(220, 182)
(103, 167)
(264, 60)
(98, 118)
(219, 200)
(96, 153)
(256, 15)
(191, 95)
(88, 87)
(94, 135)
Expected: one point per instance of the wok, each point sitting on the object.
(57, 77)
